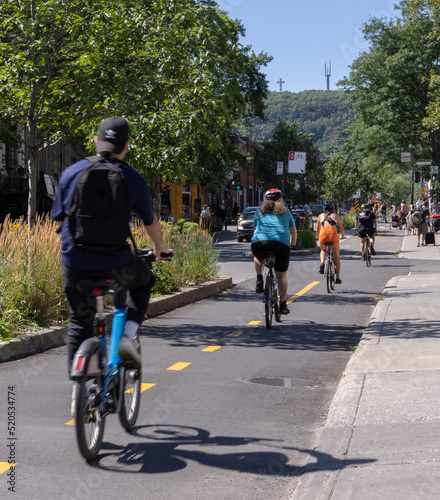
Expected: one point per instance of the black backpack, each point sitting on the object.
(98, 210)
(364, 216)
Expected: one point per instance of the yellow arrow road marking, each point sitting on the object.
(235, 334)
(70, 422)
(211, 348)
(4, 466)
(254, 322)
(178, 366)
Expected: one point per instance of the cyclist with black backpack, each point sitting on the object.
(94, 202)
(366, 223)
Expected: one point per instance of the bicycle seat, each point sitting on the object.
(328, 243)
(96, 286)
(270, 261)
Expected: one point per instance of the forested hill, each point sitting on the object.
(324, 113)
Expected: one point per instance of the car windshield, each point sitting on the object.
(249, 213)
(298, 213)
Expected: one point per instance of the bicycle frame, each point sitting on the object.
(109, 364)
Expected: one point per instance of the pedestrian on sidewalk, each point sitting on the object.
(422, 228)
(435, 207)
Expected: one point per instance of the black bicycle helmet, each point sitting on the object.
(273, 194)
(328, 206)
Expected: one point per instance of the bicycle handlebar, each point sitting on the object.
(148, 254)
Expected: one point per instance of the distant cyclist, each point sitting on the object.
(326, 230)
(383, 211)
(275, 233)
(366, 223)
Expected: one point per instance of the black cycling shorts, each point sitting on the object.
(262, 250)
(366, 230)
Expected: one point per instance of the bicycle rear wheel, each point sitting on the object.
(332, 273)
(368, 254)
(131, 397)
(328, 273)
(89, 423)
(268, 301)
(276, 301)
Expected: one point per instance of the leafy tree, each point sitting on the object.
(174, 68)
(297, 188)
(341, 181)
(390, 84)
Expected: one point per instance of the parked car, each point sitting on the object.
(306, 208)
(303, 219)
(245, 224)
(317, 209)
(342, 211)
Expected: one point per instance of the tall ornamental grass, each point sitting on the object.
(194, 260)
(30, 276)
(30, 270)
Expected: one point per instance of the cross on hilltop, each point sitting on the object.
(280, 82)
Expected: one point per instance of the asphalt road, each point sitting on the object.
(238, 414)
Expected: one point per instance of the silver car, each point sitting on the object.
(245, 224)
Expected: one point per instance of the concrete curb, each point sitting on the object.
(42, 340)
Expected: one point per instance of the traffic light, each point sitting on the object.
(237, 180)
(356, 173)
(417, 177)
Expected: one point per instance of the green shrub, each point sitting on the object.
(349, 220)
(306, 239)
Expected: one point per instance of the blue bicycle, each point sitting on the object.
(106, 383)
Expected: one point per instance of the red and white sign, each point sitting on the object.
(280, 168)
(297, 162)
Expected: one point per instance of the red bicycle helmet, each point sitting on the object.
(273, 194)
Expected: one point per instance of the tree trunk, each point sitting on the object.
(32, 175)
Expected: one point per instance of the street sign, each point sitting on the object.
(297, 162)
(434, 169)
(405, 157)
(357, 194)
(422, 190)
(356, 206)
(280, 168)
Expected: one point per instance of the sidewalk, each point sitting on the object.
(382, 435)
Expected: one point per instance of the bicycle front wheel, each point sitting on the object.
(89, 422)
(131, 398)
(268, 301)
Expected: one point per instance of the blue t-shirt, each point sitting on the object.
(272, 227)
(76, 257)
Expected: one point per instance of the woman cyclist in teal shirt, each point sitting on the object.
(275, 233)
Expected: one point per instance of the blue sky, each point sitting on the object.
(305, 35)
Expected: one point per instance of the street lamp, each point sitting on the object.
(255, 158)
